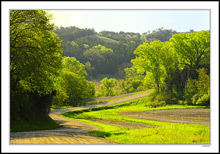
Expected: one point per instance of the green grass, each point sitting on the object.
(166, 133)
(33, 124)
(60, 107)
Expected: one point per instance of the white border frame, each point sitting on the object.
(213, 6)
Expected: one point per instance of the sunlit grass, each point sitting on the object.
(163, 133)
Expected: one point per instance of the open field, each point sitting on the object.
(129, 123)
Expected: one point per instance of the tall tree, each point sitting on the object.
(107, 86)
(73, 83)
(73, 65)
(149, 60)
(35, 62)
(193, 50)
(35, 54)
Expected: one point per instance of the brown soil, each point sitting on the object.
(120, 123)
(189, 116)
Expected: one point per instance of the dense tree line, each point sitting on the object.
(179, 68)
(160, 34)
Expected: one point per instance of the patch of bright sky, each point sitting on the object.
(139, 21)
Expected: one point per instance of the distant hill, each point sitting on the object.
(76, 41)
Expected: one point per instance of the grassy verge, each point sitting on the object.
(37, 123)
(59, 107)
(166, 133)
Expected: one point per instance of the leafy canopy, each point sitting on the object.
(35, 53)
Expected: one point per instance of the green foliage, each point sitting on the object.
(123, 45)
(161, 34)
(131, 72)
(99, 57)
(121, 36)
(141, 88)
(204, 99)
(35, 63)
(171, 66)
(107, 86)
(191, 90)
(89, 68)
(156, 100)
(72, 65)
(73, 88)
(77, 41)
(150, 60)
(61, 93)
(156, 103)
(121, 68)
(193, 49)
(132, 83)
(148, 82)
(198, 91)
(35, 54)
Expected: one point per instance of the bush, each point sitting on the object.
(198, 91)
(156, 100)
(191, 90)
(195, 98)
(156, 103)
(204, 100)
(140, 88)
(107, 86)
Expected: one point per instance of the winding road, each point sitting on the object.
(70, 131)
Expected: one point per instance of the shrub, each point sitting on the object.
(204, 100)
(156, 100)
(107, 86)
(156, 103)
(140, 88)
(191, 90)
(198, 91)
(195, 98)
(181, 102)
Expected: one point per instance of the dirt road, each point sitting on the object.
(71, 131)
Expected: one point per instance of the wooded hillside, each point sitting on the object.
(113, 50)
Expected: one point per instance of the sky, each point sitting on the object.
(138, 21)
